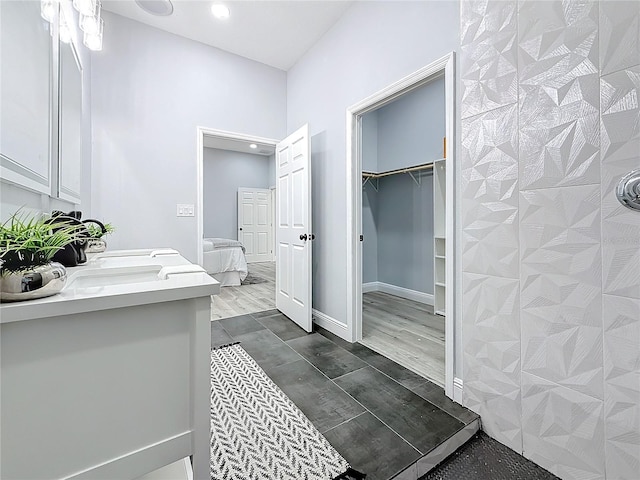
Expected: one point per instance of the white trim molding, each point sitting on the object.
(331, 324)
(416, 296)
(457, 390)
(221, 134)
(444, 66)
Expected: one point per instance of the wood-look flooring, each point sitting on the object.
(405, 331)
(234, 301)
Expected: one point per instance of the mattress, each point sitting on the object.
(223, 255)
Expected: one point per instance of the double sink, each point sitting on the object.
(121, 267)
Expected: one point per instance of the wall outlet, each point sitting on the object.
(185, 210)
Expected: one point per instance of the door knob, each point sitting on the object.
(303, 236)
(240, 228)
(313, 236)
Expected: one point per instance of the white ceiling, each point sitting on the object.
(238, 145)
(273, 32)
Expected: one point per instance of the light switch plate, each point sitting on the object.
(185, 210)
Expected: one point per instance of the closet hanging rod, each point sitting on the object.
(424, 166)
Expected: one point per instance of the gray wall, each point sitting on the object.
(150, 91)
(397, 221)
(369, 139)
(551, 260)
(411, 129)
(370, 232)
(405, 232)
(224, 173)
(352, 61)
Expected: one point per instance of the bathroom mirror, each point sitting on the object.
(26, 54)
(70, 124)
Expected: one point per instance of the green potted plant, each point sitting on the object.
(97, 232)
(27, 246)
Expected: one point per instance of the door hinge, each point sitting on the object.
(361, 238)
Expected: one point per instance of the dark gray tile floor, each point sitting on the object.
(380, 416)
(483, 458)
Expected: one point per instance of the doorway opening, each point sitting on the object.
(236, 227)
(401, 281)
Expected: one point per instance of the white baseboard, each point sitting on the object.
(331, 324)
(401, 292)
(370, 287)
(457, 390)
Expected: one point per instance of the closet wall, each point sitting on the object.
(398, 218)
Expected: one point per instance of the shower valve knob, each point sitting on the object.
(628, 190)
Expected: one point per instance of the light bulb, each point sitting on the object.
(85, 7)
(89, 24)
(219, 11)
(93, 41)
(48, 9)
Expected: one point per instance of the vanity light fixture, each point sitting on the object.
(93, 40)
(253, 145)
(48, 9)
(220, 11)
(91, 23)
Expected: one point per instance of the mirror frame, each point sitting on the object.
(14, 172)
(63, 192)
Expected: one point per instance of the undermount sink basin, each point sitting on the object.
(102, 277)
(145, 252)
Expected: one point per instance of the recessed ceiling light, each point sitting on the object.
(156, 7)
(219, 11)
(253, 145)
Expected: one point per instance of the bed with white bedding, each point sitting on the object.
(224, 260)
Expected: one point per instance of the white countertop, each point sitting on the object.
(106, 296)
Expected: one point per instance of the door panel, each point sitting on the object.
(254, 224)
(293, 232)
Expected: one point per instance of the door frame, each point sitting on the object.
(444, 66)
(201, 132)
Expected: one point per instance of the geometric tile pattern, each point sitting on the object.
(490, 192)
(575, 315)
(620, 129)
(559, 100)
(619, 35)
(563, 430)
(622, 386)
(488, 63)
(492, 355)
(561, 286)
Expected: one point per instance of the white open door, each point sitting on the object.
(254, 223)
(293, 228)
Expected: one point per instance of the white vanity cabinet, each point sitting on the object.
(108, 379)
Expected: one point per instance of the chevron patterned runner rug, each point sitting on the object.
(257, 433)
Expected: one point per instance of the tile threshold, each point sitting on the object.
(439, 453)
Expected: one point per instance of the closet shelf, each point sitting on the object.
(415, 168)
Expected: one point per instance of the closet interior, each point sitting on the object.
(403, 226)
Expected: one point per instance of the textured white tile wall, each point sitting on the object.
(551, 260)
